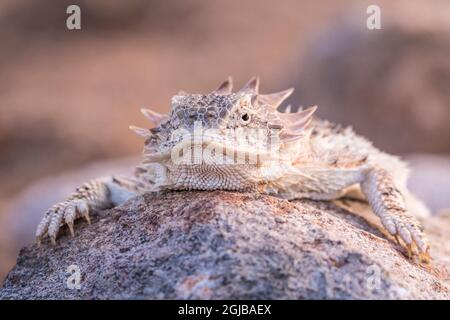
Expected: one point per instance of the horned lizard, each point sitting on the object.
(241, 142)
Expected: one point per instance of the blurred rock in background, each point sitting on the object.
(392, 85)
(430, 180)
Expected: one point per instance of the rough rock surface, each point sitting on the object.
(217, 245)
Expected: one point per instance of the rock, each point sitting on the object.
(223, 245)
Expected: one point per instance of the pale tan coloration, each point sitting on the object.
(311, 158)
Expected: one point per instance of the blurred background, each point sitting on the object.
(68, 97)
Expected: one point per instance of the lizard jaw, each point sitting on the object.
(211, 151)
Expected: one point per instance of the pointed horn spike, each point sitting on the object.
(141, 131)
(307, 113)
(300, 126)
(225, 87)
(299, 116)
(290, 136)
(275, 99)
(288, 109)
(298, 122)
(154, 117)
(252, 86)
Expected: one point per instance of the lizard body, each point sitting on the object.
(241, 142)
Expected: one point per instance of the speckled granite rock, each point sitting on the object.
(218, 245)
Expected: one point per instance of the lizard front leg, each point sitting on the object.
(97, 194)
(388, 204)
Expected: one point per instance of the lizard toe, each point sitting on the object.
(83, 208)
(42, 227)
(410, 236)
(56, 216)
(70, 214)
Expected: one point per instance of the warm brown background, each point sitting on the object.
(67, 97)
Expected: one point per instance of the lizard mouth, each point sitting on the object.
(211, 150)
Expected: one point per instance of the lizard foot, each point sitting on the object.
(61, 213)
(409, 235)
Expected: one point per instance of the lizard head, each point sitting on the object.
(224, 140)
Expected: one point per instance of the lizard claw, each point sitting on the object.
(86, 216)
(425, 257)
(409, 250)
(70, 225)
(409, 235)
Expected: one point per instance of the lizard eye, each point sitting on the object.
(245, 118)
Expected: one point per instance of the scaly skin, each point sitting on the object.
(239, 141)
